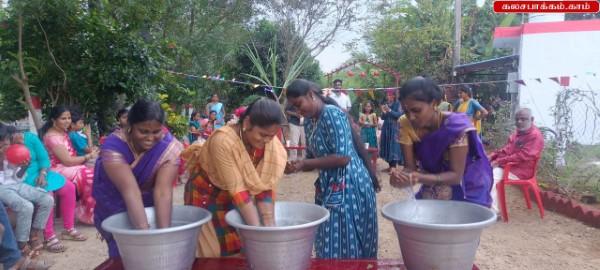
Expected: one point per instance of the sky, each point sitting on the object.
(335, 55)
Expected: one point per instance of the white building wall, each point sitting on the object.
(547, 55)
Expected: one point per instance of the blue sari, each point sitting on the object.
(389, 148)
(218, 107)
(347, 192)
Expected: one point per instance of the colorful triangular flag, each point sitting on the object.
(565, 80)
(521, 82)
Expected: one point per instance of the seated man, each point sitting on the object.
(524, 146)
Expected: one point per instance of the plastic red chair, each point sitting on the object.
(525, 184)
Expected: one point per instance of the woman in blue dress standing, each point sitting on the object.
(389, 148)
(347, 182)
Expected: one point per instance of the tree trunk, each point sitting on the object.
(23, 80)
(192, 17)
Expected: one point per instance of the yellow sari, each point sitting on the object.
(463, 107)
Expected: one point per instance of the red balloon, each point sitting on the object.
(363, 74)
(376, 73)
(17, 154)
(350, 73)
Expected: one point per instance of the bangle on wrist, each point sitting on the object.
(439, 178)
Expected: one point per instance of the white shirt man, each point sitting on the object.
(340, 98)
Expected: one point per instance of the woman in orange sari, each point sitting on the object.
(238, 167)
(65, 161)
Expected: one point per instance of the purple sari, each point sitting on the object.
(477, 179)
(108, 199)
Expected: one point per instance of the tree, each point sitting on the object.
(416, 37)
(263, 59)
(309, 25)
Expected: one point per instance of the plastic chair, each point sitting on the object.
(525, 184)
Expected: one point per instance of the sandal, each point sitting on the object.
(72, 235)
(26, 251)
(28, 263)
(36, 245)
(54, 245)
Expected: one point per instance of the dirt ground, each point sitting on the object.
(527, 242)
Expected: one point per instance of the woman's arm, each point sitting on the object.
(266, 208)
(40, 152)
(90, 142)
(326, 162)
(478, 108)
(409, 157)
(66, 159)
(42, 159)
(163, 194)
(122, 177)
(362, 120)
(458, 157)
(458, 161)
(395, 112)
(246, 207)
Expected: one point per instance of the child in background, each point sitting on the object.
(80, 135)
(209, 127)
(368, 122)
(32, 205)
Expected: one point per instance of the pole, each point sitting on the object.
(457, 35)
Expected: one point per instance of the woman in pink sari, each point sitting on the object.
(65, 161)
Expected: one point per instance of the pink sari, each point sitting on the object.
(80, 175)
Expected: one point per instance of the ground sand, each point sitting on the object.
(527, 242)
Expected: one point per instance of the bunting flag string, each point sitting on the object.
(560, 80)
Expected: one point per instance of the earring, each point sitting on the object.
(243, 129)
(314, 98)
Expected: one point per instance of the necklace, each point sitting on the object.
(132, 147)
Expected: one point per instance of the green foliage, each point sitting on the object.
(267, 59)
(93, 53)
(177, 123)
(416, 37)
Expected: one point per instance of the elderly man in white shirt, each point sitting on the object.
(340, 98)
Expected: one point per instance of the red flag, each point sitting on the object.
(564, 81)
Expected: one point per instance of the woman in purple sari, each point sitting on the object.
(442, 150)
(135, 169)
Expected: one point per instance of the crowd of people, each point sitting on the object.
(236, 162)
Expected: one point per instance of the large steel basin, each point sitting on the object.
(441, 234)
(168, 248)
(287, 246)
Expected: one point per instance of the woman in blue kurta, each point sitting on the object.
(389, 148)
(347, 182)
